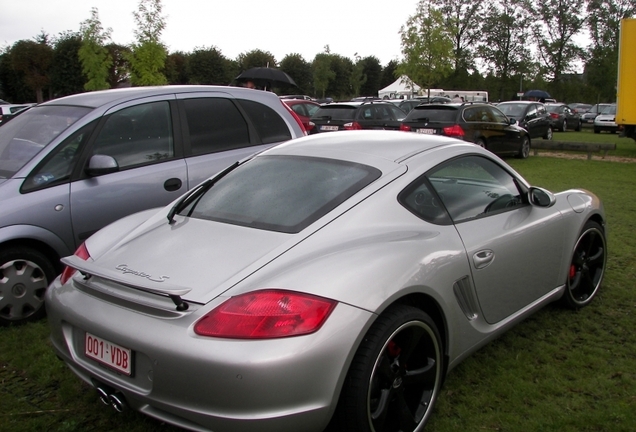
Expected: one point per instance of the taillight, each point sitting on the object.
(405, 128)
(454, 131)
(68, 272)
(352, 126)
(298, 120)
(310, 126)
(266, 314)
(554, 115)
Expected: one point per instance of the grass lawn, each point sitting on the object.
(558, 371)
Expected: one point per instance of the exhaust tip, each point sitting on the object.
(103, 396)
(117, 401)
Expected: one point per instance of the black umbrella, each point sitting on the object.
(266, 77)
(537, 94)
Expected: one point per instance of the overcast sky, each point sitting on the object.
(279, 26)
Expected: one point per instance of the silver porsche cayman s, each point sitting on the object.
(331, 281)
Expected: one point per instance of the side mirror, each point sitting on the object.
(512, 121)
(101, 164)
(541, 197)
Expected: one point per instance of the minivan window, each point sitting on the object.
(214, 125)
(24, 136)
(137, 135)
(270, 126)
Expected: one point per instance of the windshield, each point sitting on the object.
(281, 193)
(512, 110)
(609, 110)
(24, 136)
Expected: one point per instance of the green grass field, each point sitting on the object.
(558, 371)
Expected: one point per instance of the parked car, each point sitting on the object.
(532, 116)
(8, 111)
(562, 117)
(356, 116)
(606, 120)
(588, 117)
(297, 97)
(70, 166)
(304, 109)
(580, 108)
(340, 273)
(478, 123)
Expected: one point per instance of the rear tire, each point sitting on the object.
(524, 150)
(395, 376)
(548, 135)
(25, 274)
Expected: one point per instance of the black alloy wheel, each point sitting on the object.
(587, 267)
(395, 376)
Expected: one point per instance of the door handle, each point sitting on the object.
(172, 184)
(482, 259)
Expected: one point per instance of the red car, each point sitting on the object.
(304, 109)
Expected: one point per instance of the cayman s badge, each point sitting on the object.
(126, 270)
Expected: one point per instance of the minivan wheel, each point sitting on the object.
(24, 276)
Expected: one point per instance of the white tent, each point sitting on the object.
(402, 87)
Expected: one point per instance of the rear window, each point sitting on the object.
(512, 110)
(439, 114)
(341, 112)
(282, 193)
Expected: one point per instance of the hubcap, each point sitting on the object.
(22, 287)
(588, 265)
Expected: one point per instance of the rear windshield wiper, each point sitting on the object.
(195, 193)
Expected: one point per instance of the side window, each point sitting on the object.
(367, 113)
(214, 125)
(471, 115)
(532, 112)
(541, 109)
(141, 134)
(269, 125)
(496, 116)
(398, 114)
(420, 199)
(58, 166)
(474, 186)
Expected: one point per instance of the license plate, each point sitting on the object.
(329, 128)
(108, 353)
(426, 131)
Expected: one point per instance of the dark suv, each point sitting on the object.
(532, 116)
(482, 124)
(356, 116)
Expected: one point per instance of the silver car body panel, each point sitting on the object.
(366, 254)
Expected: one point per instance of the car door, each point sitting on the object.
(150, 170)
(496, 128)
(515, 250)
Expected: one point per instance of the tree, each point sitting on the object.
(256, 58)
(300, 70)
(561, 20)
(602, 63)
(67, 76)
(119, 70)
(358, 77)
(12, 82)
(323, 74)
(176, 68)
(148, 57)
(503, 47)
(389, 74)
(462, 20)
(209, 66)
(427, 47)
(340, 86)
(33, 60)
(373, 71)
(93, 55)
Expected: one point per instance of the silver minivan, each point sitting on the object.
(70, 166)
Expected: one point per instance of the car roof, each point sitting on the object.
(103, 97)
(365, 146)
